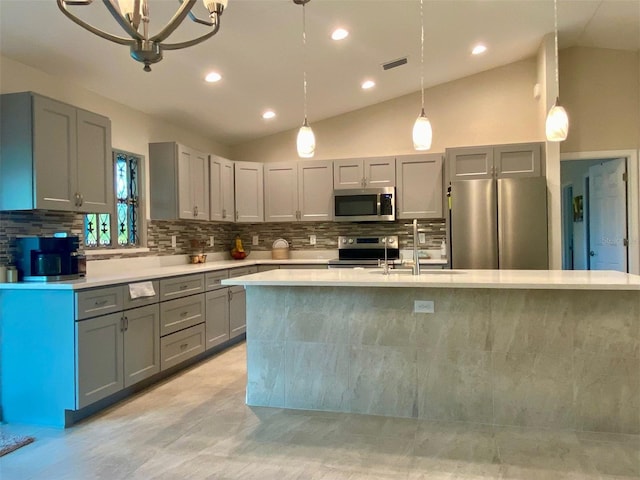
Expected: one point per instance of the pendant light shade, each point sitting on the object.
(557, 126)
(306, 141)
(422, 133)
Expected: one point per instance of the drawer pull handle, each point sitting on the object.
(184, 287)
(183, 346)
(100, 303)
(184, 314)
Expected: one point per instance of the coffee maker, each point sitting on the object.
(49, 259)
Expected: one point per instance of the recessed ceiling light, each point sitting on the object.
(213, 77)
(339, 34)
(368, 84)
(478, 49)
(268, 114)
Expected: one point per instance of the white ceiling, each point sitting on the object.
(258, 50)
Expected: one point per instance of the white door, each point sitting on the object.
(280, 192)
(220, 189)
(379, 172)
(348, 174)
(315, 191)
(185, 196)
(199, 180)
(249, 192)
(608, 216)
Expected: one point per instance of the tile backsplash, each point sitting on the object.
(159, 233)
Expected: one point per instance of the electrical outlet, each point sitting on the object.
(423, 306)
(422, 238)
(312, 239)
(255, 240)
(174, 241)
(211, 241)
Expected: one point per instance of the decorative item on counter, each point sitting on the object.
(280, 249)
(12, 274)
(238, 252)
(199, 257)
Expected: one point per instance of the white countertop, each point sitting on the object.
(514, 279)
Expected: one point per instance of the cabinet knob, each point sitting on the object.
(195, 211)
(237, 215)
(224, 213)
(230, 294)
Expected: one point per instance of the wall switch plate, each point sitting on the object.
(255, 240)
(422, 238)
(312, 239)
(211, 241)
(423, 306)
(174, 242)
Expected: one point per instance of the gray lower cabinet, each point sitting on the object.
(217, 317)
(182, 345)
(237, 311)
(181, 313)
(115, 351)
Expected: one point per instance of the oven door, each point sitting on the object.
(364, 205)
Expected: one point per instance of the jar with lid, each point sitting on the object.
(12, 274)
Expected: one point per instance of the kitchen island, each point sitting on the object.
(529, 348)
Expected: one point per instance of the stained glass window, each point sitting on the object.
(101, 230)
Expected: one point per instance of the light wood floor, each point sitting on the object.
(196, 426)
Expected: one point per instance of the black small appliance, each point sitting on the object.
(49, 259)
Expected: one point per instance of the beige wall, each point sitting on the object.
(600, 88)
(496, 106)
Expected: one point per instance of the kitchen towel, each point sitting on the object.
(141, 289)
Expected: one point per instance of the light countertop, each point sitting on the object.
(512, 279)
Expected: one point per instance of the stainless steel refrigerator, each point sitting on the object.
(499, 224)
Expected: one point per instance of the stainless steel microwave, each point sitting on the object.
(364, 205)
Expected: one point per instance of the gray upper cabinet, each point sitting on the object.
(298, 191)
(364, 173)
(221, 189)
(249, 191)
(54, 156)
(495, 161)
(419, 191)
(179, 181)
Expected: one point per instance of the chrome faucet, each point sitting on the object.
(385, 266)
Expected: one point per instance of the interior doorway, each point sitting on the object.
(596, 200)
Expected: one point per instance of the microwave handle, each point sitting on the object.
(378, 205)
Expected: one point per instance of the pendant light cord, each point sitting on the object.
(555, 30)
(304, 60)
(422, 52)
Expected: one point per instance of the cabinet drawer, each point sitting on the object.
(177, 287)
(99, 301)
(141, 301)
(181, 346)
(181, 313)
(238, 272)
(212, 279)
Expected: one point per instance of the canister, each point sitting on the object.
(12, 274)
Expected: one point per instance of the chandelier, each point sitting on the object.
(133, 17)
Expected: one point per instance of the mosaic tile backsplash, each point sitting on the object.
(159, 233)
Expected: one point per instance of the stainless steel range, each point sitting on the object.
(365, 252)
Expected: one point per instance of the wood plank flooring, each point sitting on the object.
(196, 426)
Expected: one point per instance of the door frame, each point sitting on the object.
(567, 227)
(633, 192)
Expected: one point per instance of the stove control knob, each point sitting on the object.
(350, 240)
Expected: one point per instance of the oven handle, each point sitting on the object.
(378, 204)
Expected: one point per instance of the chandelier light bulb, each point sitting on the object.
(422, 133)
(306, 141)
(557, 125)
(126, 6)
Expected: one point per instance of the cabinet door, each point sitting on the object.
(519, 160)
(221, 189)
(181, 313)
(185, 195)
(55, 155)
(95, 166)
(217, 317)
(315, 191)
(199, 174)
(469, 163)
(379, 172)
(280, 192)
(419, 192)
(348, 174)
(100, 367)
(249, 192)
(141, 343)
(237, 311)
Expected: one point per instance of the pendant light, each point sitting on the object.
(422, 133)
(306, 141)
(557, 125)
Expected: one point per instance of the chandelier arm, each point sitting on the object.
(107, 36)
(114, 10)
(183, 11)
(208, 23)
(190, 43)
